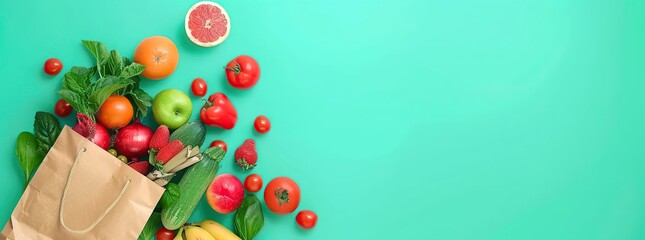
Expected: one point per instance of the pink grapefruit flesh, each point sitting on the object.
(207, 24)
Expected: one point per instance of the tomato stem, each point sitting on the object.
(282, 195)
(236, 70)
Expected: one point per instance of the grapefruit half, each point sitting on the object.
(207, 24)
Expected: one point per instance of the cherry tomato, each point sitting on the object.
(199, 87)
(62, 108)
(282, 195)
(242, 72)
(165, 234)
(253, 183)
(219, 143)
(262, 124)
(53, 66)
(307, 219)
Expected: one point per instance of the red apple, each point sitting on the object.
(225, 193)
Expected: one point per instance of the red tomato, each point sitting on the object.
(220, 144)
(243, 72)
(282, 195)
(199, 87)
(307, 219)
(262, 124)
(53, 66)
(253, 183)
(165, 234)
(62, 108)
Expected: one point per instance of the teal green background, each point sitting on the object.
(405, 119)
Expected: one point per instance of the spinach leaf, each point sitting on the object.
(132, 70)
(78, 102)
(170, 196)
(27, 152)
(100, 52)
(151, 227)
(104, 87)
(47, 128)
(249, 218)
(113, 65)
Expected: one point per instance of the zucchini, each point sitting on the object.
(192, 133)
(192, 187)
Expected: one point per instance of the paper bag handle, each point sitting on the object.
(62, 202)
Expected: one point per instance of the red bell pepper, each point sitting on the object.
(218, 111)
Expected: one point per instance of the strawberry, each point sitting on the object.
(142, 167)
(169, 151)
(160, 138)
(245, 156)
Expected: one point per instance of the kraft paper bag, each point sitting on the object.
(80, 191)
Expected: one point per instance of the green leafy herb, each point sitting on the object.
(46, 128)
(249, 218)
(151, 227)
(27, 152)
(170, 196)
(116, 74)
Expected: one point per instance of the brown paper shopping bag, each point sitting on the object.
(80, 191)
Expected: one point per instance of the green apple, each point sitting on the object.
(172, 108)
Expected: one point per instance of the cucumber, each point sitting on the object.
(192, 133)
(192, 187)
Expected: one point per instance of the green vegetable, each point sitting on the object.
(116, 74)
(170, 196)
(151, 227)
(47, 128)
(192, 133)
(249, 218)
(27, 152)
(192, 187)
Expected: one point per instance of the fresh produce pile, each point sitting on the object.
(109, 105)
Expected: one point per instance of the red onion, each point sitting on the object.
(92, 131)
(132, 141)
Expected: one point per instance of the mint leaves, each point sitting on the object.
(116, 75)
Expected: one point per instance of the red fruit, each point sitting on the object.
(160, 138)
(142, 167)
(245, 156)
(307, 219)
(225, 193)
(207, 24)
(53, 66)
(262, 124)
(169, 151)
(219, 143)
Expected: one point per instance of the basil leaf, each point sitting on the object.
(104, 87)
(27, 152)
(87, 73)
(151, 227)
(142, 101)
(75, 82)
(47, 128)
(249, 218)
(170, 196)
(132, 70)
(100, 53)
(78, 102)
(113, 65)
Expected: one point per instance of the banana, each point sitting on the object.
(179, 234)
(217, 230)
(197, 233)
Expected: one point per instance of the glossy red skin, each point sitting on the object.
(53, 66)
(307, 219)
(136, 132)
(199, 87)
(101, 136)
(219, 143)
(62, 108)
(225, 193)
(165, 234)
(218, 112)
(262, 124)
(282, 184)
(253, 183)
(243, 72)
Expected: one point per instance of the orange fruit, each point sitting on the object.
(160, 56)
(116, 112)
